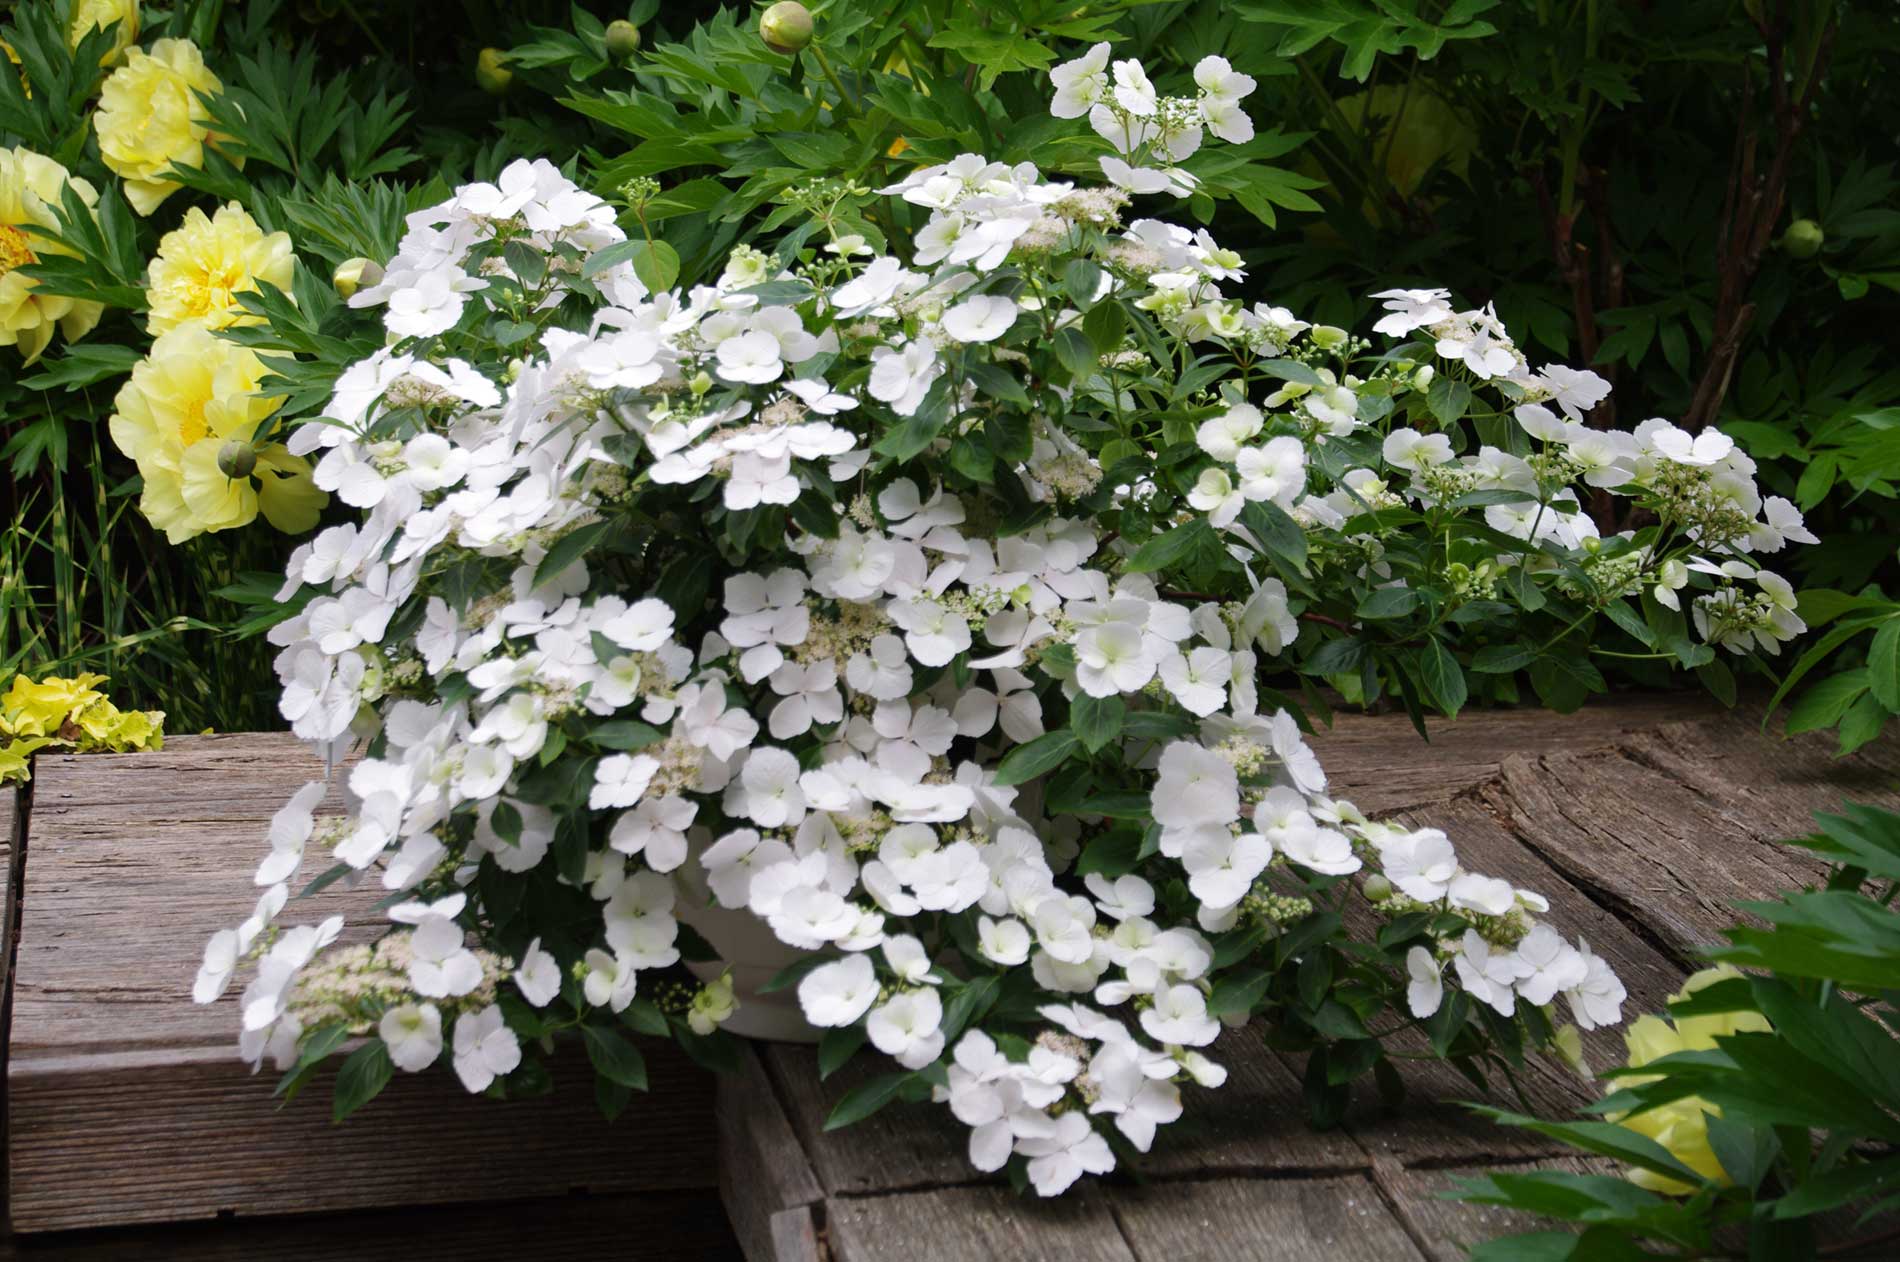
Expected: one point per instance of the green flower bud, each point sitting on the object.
(701, 382)
(491, 72)
(1378, 888)
(237, 458)
(623, 38)
(1327, 337)
(1803, 239)
(353, 274)
(1422, 379)
(786, 27)
(1593, 545)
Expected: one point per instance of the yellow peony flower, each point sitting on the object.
(30, 185)
(193, 393)
(97, 15)
(204, 262)
(150, 120)
(1682, 1126)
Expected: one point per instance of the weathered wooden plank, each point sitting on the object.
(173, 1134)
(1774, 783)
(973, 1224)
(114, 1072)
(1446, 1229)
(661, 1226)
(1378, 762)
(1652, 849)
(763, 1172)
(1255, 1122)
(901, 1146)
(795, 1237)
(1262, 1220)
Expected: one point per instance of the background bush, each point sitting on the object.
(1623, 180)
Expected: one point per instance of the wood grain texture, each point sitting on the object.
(795, 1237)
(1262, 1220)
(763, 1171)
(1446, 1229)
(1378, 762)
(899, 1147)
(1255, 1122)
(128, 1102)
(973, 1224)
(169, 1135)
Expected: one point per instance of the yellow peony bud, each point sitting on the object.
(98, 15)
(1803, 239)
(491, 72)
(786, 27)
(353, 274)
(623, 39)
(237, 459)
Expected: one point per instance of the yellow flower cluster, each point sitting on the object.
(205, 262)
(1682, 1125)
(190, 412)
(30, 185)
(72, 713)
(150, 118)
(186, 400)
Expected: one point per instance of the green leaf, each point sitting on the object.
(614, 1058)
(1076, 353)
(361, 1078)
(625, 735)
(1113, 854)
(1605, 1139)
(1883, 665)
(570, 548)
(1043, 754)
(1448, 398)
(865, 1099)
(656, 263)
(642, 1017)
(1388, 602)
(1170, 549)
(1502, 659)
(1276, 531)
(1096, 720)
(837, 1046)
(1444, 679)
(1238, 992)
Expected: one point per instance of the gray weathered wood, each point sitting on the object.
(1262, 1220)
(128, 1102)
(973, 1224)
(1446, 1229)
(763, 1172)
(1379, 763)
(795, 1237)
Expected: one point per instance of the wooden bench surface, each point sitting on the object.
(1642, 819)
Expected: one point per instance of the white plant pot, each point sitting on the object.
(747, 947)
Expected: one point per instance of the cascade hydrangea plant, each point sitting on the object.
(924, 608)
